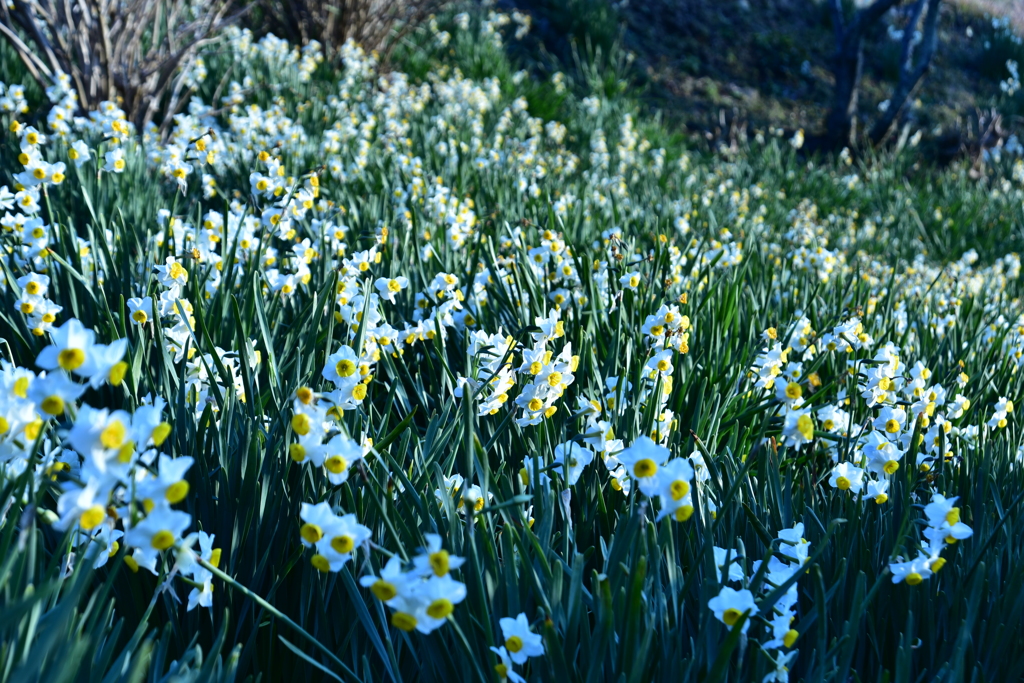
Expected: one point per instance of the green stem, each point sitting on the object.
(277, 613)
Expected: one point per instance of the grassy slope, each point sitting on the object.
(618, 576)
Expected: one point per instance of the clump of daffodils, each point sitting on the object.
(943, 528)
(117, 484)
(422, 594)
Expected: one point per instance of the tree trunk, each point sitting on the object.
(910, 74)
(848, 66)
(849, 63)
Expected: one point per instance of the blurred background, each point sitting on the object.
(940, 75)
(728, 68)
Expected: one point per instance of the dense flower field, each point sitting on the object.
(457, 372)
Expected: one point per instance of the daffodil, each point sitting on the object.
(847, 477)
(70, 349)
(573, 458)
(115, 162)
(438, 596)
(389, 287)
(730, 605)
(53, 393)
(99, 545)
(160, 530)
(104, 438)
(168, 486)
(104, 365)
(643, 458)
(878, 490)
(504, 666)
(140, 310)
(735, 567)
(85, 506)
(798, 427)
(912, 572)
(319, 521)
(342, 367)
(520, 642)
(435, 559)
(391, 582)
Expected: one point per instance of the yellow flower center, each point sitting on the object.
(953, 516)
(383, 590)
(118, 372)
(92, 517)
(679, 488)
(731, 616)
(176, 492)
(52, 405)
(71, 359)
(805, 425)
(342, 544)
(913, 578)
(160, 433)
(336, 464)
(439, 562)
(320, 563)
(345, 368)
(403, 621)
(892, 426)
(794, 391)
(113, 436)
(683, 513)
(440, 608)
(301, 424)
(162, 540)
(311, 533)
(645, 468)
(514, 644)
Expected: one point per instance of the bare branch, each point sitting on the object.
(32, 63)
(131, 48)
